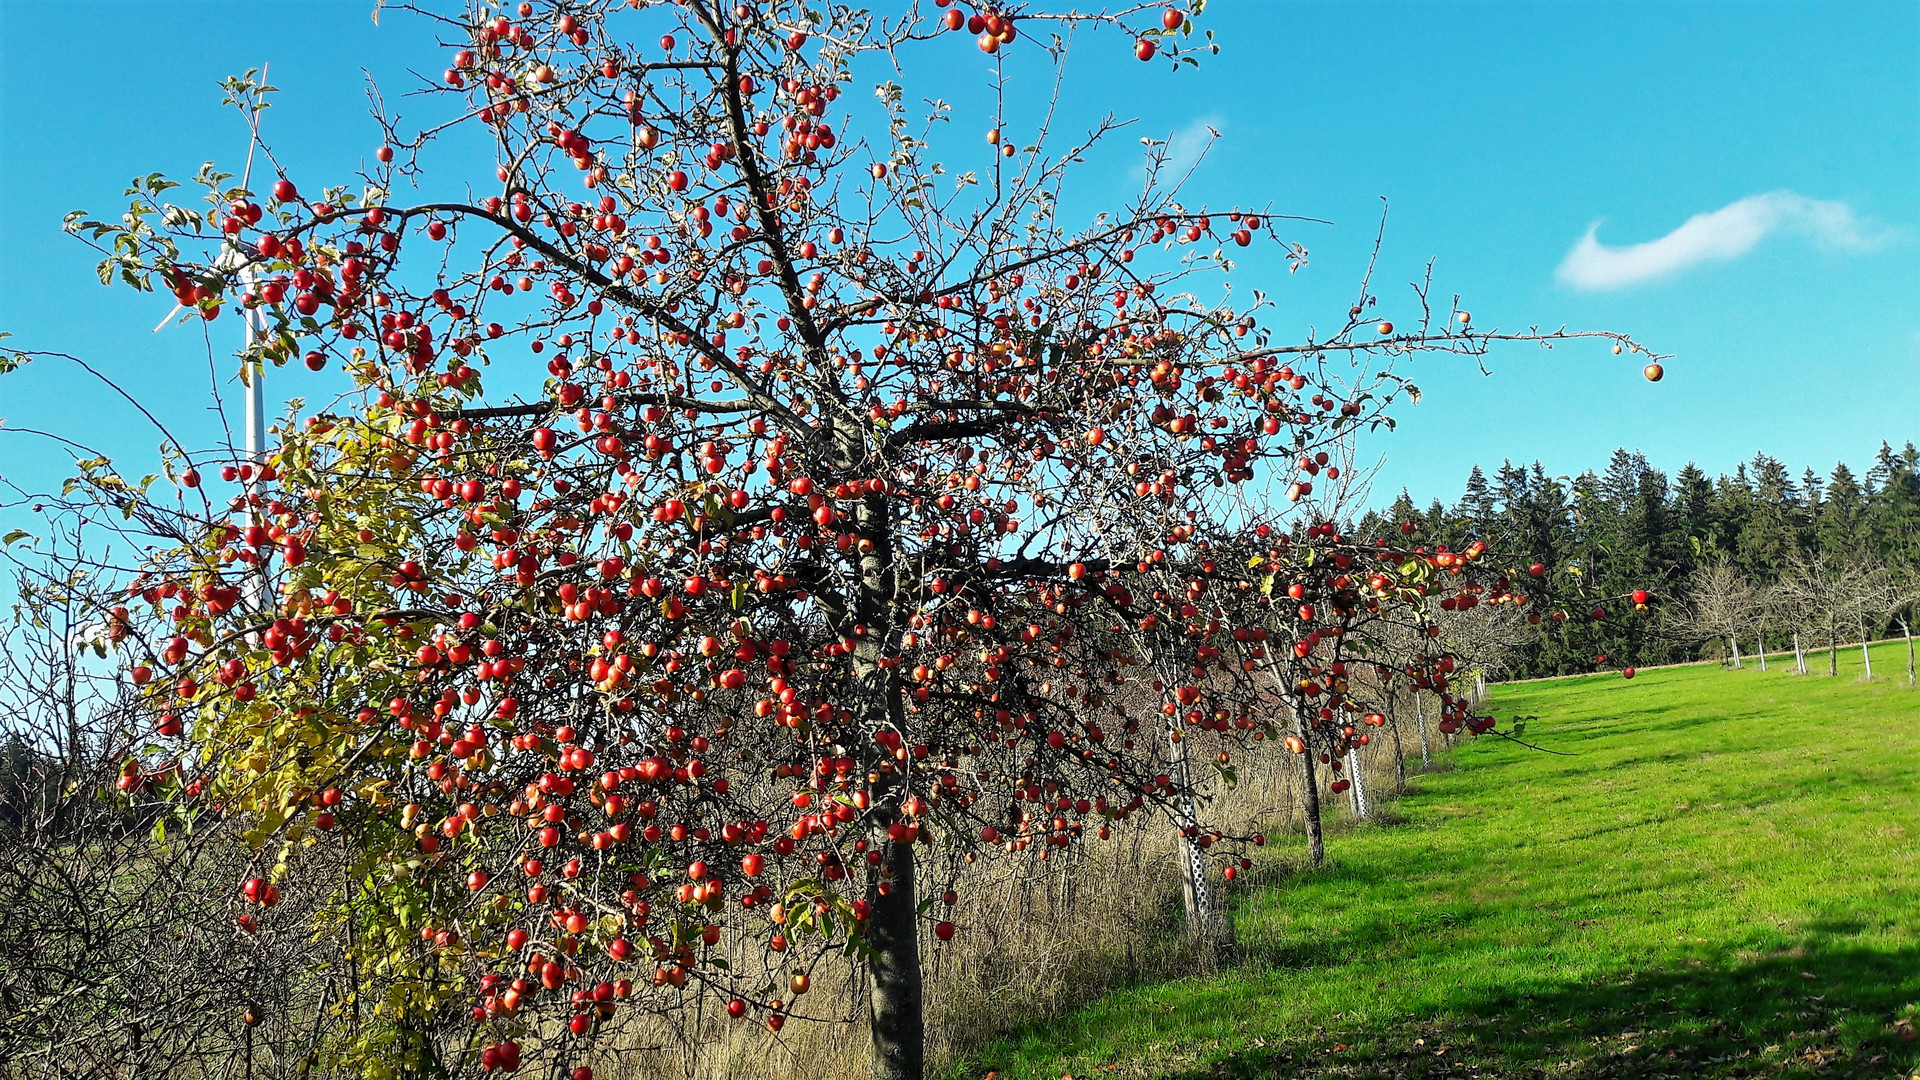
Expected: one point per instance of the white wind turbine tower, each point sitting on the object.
(253, 374)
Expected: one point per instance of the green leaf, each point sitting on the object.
(17, 534)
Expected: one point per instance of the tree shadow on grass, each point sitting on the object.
(1822, 1009)
(1648, 720)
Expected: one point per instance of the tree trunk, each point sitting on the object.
(1316, 843)
(1761, 653)
(1866, 655)
(1420, 715)
(1833, 650)
(1287, 775)
(1799, 657)
(1399, 751)
(1359, 789)
(1310, 806)
(1906, 630)
(1203, 921)
(894, 997)
(1734, 640)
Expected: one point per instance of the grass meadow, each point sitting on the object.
(1712, 874)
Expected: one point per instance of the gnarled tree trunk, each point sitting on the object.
(1316, 842)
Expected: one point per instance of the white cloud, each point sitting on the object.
(1185, 148)
(1726, 233)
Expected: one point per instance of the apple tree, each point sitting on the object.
(740, 517)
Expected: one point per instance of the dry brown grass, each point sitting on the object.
(1038, 937)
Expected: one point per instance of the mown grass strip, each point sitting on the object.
(1722, 880)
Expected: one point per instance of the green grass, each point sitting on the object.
(1721, 880)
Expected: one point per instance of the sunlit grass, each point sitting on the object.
(1719, 879)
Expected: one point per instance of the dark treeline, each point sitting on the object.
(1632, 526)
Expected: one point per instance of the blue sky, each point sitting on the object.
(1753, 171)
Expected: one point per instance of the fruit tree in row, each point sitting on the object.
(741, 517)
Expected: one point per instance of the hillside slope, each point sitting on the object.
(1719, 878)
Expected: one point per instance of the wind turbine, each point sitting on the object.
(255, 322)
(253, 378)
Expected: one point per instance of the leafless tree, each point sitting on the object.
(1720, 603)
(119, 950)
(1906, 597)
(1882, 596)
(1492, 634)
(1779, 603)
(1772, 607)
(1836, 597)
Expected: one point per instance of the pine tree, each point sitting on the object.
(1403, 508)
(1812, 500)
(1513, 494)
(1693, 511)
(1476, 508)
(1840, 524)
(1731, 506)
(1893, 508)
(1768, 539)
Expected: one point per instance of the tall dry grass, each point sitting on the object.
(1038, 935)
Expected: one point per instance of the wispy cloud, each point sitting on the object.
(1185, 147)
(1726, 233)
